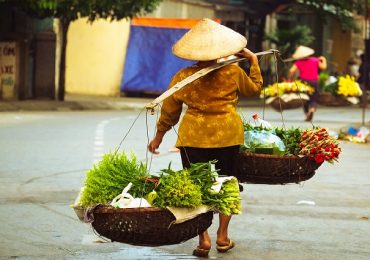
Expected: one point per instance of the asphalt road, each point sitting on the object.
(44, 156)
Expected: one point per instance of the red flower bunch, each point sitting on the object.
(319, 146)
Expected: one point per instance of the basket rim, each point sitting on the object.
(109, 209)
(262, 155)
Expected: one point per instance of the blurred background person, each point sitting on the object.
(363, 74)
(308, 68)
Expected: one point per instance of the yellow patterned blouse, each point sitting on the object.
(211, 119)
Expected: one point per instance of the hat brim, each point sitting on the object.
(302, 52)
(208, 40)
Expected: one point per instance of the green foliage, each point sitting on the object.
(202, 175)
(288, 40)
(176, 189)
(111, 175)
(342, 10)
(291, 139)
(323, 77)
(331, 88)
(227, 201)
(249, 127)
(92, 9)
(192, 187)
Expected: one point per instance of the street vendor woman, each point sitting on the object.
(308, 68)
(211, 128)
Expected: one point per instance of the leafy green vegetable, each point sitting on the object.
(227, 201)
(185, 188)
(291, 138)
(176, 189)
(203, 175)
(193, 187)
(111, 175)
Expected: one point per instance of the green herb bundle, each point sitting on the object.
(176, 189)
(203, 175)
(111, 175)
(227, 201)
(291, 139)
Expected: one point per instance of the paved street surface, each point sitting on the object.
(44, 155)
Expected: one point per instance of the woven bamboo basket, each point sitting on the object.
(274, 169)
(146, 226)
(327, 99)
(295, 103)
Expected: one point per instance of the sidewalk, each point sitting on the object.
(75, 102)
(82, 102)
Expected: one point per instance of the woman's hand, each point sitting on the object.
(250, 56)
(155, 143)
(322, 63)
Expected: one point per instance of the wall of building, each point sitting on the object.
(27, 48)
(95, 56)
(341, 49)
(96, 52)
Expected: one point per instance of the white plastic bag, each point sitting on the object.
(125, 200)
(257, 121)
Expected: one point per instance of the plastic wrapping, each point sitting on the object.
(263, 141)
(259, 137)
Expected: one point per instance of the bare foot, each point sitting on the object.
(204, 241)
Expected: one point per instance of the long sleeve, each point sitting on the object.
(250, 85)
(170, 111)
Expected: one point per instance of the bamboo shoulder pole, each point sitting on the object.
(198, 75)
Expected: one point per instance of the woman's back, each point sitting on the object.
(308, 68)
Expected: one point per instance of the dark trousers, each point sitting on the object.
(314, 98)
(225, 157)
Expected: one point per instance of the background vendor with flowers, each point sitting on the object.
(211, 128)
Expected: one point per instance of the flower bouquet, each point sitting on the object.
(287, 95)
(319, 146)
(344, 91)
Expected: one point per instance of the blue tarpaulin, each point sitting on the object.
(150, 64)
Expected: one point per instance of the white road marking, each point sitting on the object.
(98, 150)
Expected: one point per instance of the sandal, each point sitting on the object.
(224, 249)
(309, 116)
(200, 252)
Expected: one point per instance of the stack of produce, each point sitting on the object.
(113, 173)
(314, 143)
(188, 188)
(192, 187)
(280, 141)
(177, 189)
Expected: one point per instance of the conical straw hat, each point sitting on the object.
(302, 52)
(208, 40)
